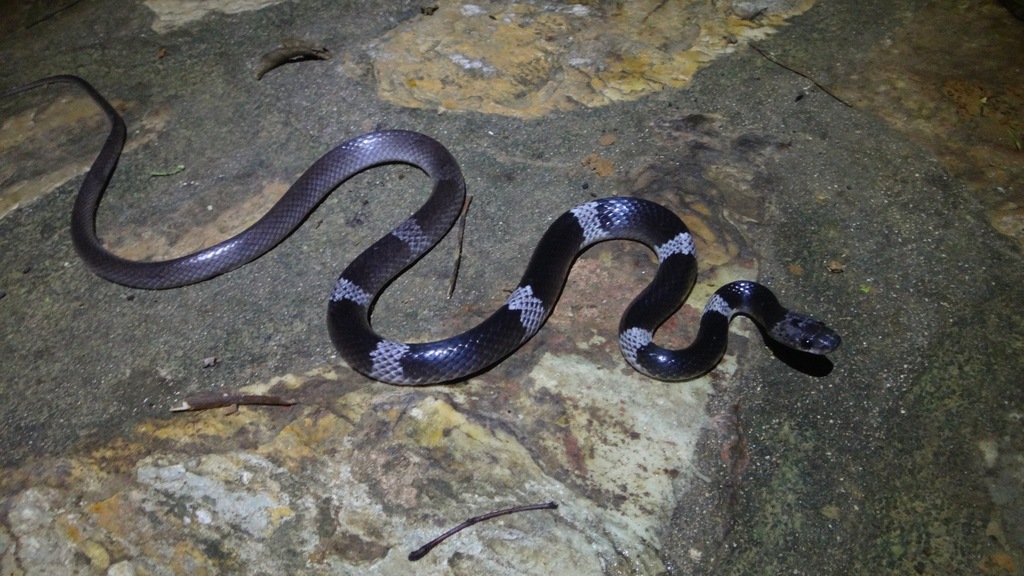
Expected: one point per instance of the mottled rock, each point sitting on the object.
(353, 483)
(527, 60)
(172, 14)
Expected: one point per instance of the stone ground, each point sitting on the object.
(862, 158)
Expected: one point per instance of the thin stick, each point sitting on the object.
(426, 548)
(772, 59)
(656, 8)
(458, 246)
(209, 400)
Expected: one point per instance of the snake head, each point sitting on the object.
(801, 332)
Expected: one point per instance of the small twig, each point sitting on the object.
(52, 14)
(458, 245)
(426, 548)
(655, 9)
(210, 400)
(735, 455)
(772, 59)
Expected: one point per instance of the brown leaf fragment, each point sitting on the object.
(601, 166)
(297, 52)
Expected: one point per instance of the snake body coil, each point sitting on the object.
(511, 325)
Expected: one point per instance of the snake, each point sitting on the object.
(528, 306)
